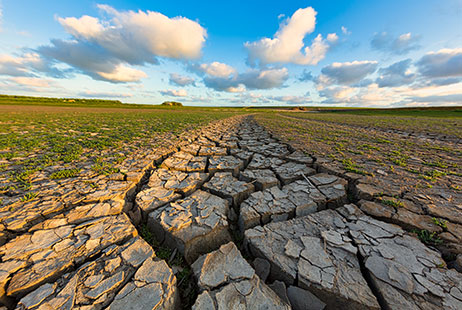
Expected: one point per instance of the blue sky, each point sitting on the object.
(228, 53)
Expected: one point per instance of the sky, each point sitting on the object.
(235, 53)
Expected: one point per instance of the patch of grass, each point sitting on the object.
(437, 163)
(381, 140)
(350, 166)
(430, 238)
(65, 174)
(104, 168)
(432, 175)
(29, 196)
(439, 222)
(393, 203)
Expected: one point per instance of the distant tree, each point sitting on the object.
(172, 104)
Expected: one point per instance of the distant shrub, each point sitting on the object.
(172, 103)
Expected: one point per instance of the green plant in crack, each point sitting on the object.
(430, 238)
(29, 196)
(350, 166)
(393, 202)
(439, 222)
(65, 173)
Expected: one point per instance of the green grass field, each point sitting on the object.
(35, 137)
(36, 133)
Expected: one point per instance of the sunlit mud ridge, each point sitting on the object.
(260, 224)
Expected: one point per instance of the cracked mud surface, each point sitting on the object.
(261, 225)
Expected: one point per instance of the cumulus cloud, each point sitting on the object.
(336, 94)
(216, 69)
(180, 80)
(136, 37)
(264, 79)
(174, 92)
(397, 74)
(400, 45)
(287, 45)
(292, 99)
(346, 73)
(252, 79)
(31, 81)
(105, 48)
(25, 65)
(443, 63)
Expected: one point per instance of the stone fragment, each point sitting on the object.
(290, 172)
(195, 225)
(458, 263)
(327, 264)
(262, 179)
(151, 198)
(262, 268)
(280, 289)
(96, 283)
(269, 149)
(300, 157)
(244, 155)
(223, 184)
(333, 187)
(366, 191)
(227, 281)
(152, 287)
(225, 164)
(301, 299)
(192, 148)
(407, 274)
(296, 199)
(213, 150)
(52, 251)
(264, 162)
(178, 181)
(186, 162)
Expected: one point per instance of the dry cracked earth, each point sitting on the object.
(261, 225)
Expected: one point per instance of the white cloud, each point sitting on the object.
(217, 69)
(104, 48)
(337, 93)
(397, 74)
(400, 45)
(346, 73)
(174, 92)
(252, 79)
(122, 73)
(292, 99)
(443, 63)
(332, 37)
(23, 65)
(287, 46)
(85, 27)
(31, 81)
(180, 80)
(136, 37)
(237, 89)
(264, 79)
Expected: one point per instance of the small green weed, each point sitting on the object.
(441, 223)
(427, 237)
(64, 174)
